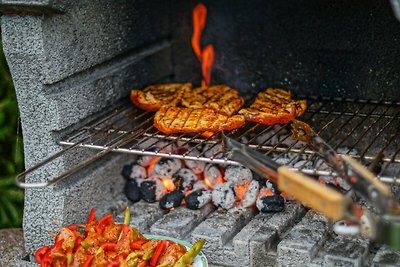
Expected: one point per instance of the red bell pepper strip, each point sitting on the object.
(92, 217)
(77, 244)
(88, 261)
(137, 244)
(157, 252)
(113, 264)
(47, 260)
(39, 254)
(103, 222)
(108, 246)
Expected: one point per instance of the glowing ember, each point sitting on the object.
(151, 165)
(240, 191)
(168, 184)
(268, 192)
(208, 183)
(206, 56)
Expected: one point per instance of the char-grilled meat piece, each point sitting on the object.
(153, 97)
(220, 98)
(171, 120)
(274, 106)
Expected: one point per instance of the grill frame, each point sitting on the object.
(130, 130)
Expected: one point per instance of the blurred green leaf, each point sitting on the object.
(11, 154)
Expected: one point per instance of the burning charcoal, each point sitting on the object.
(303, 164)
(251, 194)
(197, 199)
(289, 159)
(212, 150)
(224, 195)
(268, 138)
(132, 190)
(166, 167)
(171, 200)
(288, 141)
(185, 178)
(273, 203)
(151, 190)
(199, 185)
(238, 175)
(272, 187)
(212, 175)
(135, 171)
(146, 160)
(347, 150)
(196, 166)
(258, 178)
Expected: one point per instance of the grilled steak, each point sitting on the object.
(153, 97)
(274, 106)
(184, 120)
(220, 98)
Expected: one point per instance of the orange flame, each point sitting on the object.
(168, 184)
(206, 56)
(199, 22)
(206, 64)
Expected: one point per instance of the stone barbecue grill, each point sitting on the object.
(74, 63)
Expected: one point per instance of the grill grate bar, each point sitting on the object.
(365, 125)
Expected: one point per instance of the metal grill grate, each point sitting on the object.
(367, 130)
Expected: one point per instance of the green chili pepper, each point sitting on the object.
(85, 244)
(127, 216)
(132, 255)
(148, 254)
(133, 263)
(189, 256)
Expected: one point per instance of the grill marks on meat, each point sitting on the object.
(153, 97)
(220, 98)
(274, 106)
(184, 120)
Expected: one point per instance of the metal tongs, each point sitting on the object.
(383, 226)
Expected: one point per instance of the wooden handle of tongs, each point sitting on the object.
(312, 194)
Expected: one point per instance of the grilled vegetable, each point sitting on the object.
(105, 243)
(189, 256)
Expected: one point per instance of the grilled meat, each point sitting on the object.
(220, 98)
(153, 97)
(274, 106)
(184, 120)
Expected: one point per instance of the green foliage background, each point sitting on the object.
(11, 157)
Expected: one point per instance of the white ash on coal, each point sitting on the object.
(151, 190)
(184, 179)
(250, 197)
(212, 175)
(171, 200)
(196, 166)
(165, 168)
(224, 195)
(238, 175)
(133, 171)
(198, 199)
